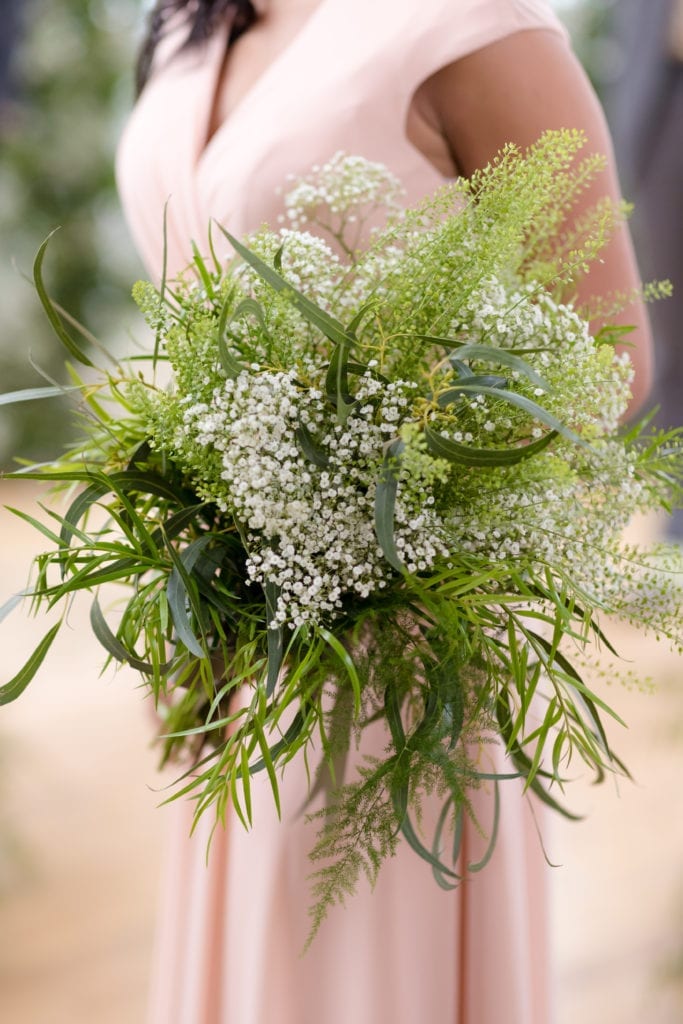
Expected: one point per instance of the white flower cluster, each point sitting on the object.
(306, 503)
(309, 528)
(346, 188)
(589, 389)
(547, 513)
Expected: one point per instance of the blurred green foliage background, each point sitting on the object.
(71, 88)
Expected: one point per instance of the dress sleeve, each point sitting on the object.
(447, 30)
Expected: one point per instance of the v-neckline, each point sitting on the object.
(215, 80)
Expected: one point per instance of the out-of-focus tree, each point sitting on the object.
(73, 84)
(9, 28)
(590, 23)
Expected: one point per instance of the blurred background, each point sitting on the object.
(80, 833)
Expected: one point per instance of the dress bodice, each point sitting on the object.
(345, 82)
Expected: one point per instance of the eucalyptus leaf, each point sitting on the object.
(513, 398)
(466, 455)
(16, 686)
(181, 592)
(312, 451)
(421, 850)
(35, 394)
(118, 650)
(337, 382)
(385, 506)
(500, 356)
(275, 638)
(316, 316)
(13, 602)
(69, 343)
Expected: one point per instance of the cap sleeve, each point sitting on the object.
(447, 30)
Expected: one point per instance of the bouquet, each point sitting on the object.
(353, 484)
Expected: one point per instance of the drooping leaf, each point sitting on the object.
(421, 850)
(493, 836)
(126, 480)
(466, 455)
(291, 734)
(337, 381)
(502, 357)
(316, 316)
(16, 686)
(69, 343)
(181, 592)
(513, 398)
(385, 505)
(113, 645)
(267, 762)
(448, 807)
(347, 661)
(275, 638)
(35, 394)
(13, 602)
(310, 449)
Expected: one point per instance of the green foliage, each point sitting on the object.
(73, 70)
(591, 24)
(388, 490)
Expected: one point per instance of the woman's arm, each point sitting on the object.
(513, 91)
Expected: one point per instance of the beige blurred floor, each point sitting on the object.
(81, 838)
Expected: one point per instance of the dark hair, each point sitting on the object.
(203, 17)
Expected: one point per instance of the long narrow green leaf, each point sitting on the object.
(580, 690)
(124, 481)
(291, 734)
(181, 591)
(232, 366)
(235, 800)
(337, 381)
(503, 357)
(421, 850)
(246, 782)
(35, 523)
(348, 663)
(267, 759)
(35, 394)
(436, 847)
(202, 270)
(275, 638)
(392, 710)
(489, 380)
(316, 316)
(366, 308)
(113, 645)
(67, 341)
(481, 864)
(513, 398)
(453, 451)
(523, 763)
(385, 506)
(16, 686)
(310, 449)
(13, 602)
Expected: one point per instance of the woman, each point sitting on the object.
(432, 89)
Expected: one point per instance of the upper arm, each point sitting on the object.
(512, 91)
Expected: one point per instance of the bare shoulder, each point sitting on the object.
(512, 91)
(509, 91)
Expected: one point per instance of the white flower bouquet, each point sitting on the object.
(387, 482)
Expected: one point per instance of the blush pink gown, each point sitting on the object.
(230, 933)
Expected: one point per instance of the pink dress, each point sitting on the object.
(230, 932)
